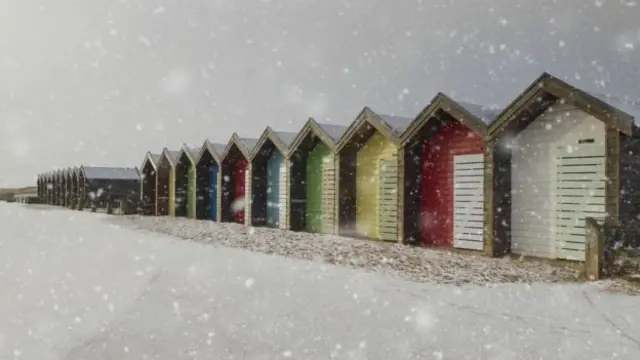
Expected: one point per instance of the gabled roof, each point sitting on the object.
(245, 145)
(110, 173)
(215, 149)
(151, 158)
(171, 156)
(390, 127)
(329, 134)
(191, 153)
(545, 91)
(476, 117)
(281, 140)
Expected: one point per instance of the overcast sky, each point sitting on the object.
(103, 81)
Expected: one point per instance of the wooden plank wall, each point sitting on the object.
(248, 177)
(388, 212)
(285, 170)
(329, 203)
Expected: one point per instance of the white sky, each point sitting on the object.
(103, 81)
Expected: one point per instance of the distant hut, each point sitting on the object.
(236, 176)
(208, 180)
(109, 186)
(148, 183)
(166, 180)
(185, 204)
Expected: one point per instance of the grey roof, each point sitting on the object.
(286, 137)
(155, 158)
(219, 148)
(173, 155)
(250, 143)
(111, 173)
(485, 113)
(334, 131)
(626, 105)
(397, 123)
(194, 151)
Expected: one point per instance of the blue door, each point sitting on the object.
(273, 188)
(213, 193)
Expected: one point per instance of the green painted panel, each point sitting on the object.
(315, 161)
(191, 193)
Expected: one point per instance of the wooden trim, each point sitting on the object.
(165, 156)
(208, 147)
(149, 158)
(366, 116)
(311, 127)
(235, 140)
(489, 238)
(302, 134)
(442, 102)
(184, 150)
(269, 134)
(401, 195)
(553, 86)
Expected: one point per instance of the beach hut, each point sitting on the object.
(236, 175)
(312, 185)
(554, 156)
(185, 203)
(48, 188)
(367, 165)
(69, 187)
(208, 179)
(166, 182)
(72, 187)
(442, 171)
(104, 187)
(60, 190)
(270, 179)
(148, 183)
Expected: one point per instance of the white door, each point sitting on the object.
(580, 192)
(468, 201)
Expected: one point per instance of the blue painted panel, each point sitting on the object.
(273, 188)
(213, 193)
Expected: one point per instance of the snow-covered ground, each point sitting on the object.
(75, 287)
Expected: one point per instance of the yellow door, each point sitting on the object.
(368, 184)
(172, 192)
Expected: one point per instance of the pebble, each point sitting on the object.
(417, 264)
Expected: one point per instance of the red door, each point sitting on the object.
(240, 172)
(437, 186)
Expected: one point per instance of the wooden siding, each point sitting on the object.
(534, 205)
(388, 193)
(468, 201)
(172, 192)
(368, 196)
(248, 193)
(191, 192)
(283, 192)
(329, 203)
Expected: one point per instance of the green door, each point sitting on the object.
(191, 193)
(315, 161)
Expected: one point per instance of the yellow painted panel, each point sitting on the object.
(368, 183)
(172, 192)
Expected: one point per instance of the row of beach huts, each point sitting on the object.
(521, 179)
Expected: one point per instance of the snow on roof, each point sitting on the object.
(485, 113)
(173, 155)
(334, 131)
(397, 123)
(155, 158)
(286, 137)
(629, 106)
(219, 148)
(250, 143)
(111, 173)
